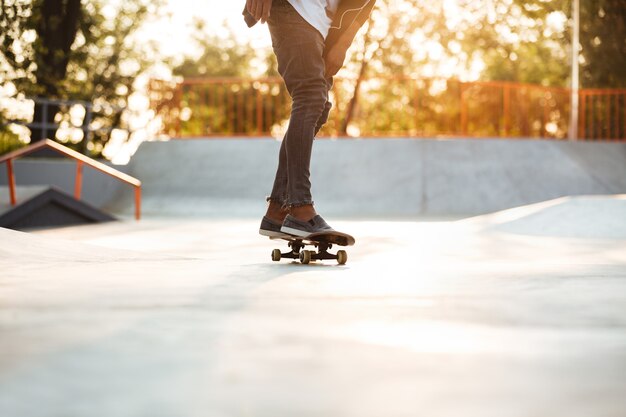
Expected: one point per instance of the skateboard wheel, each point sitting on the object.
(342, 257)
(276, 255)
(305, 256)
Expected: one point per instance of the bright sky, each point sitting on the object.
(173, 32)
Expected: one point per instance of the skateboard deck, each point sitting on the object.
(322, 241)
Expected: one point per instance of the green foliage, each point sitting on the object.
(244, 108)
(518, 40)
(221, 56)
(527, 41)
(107, 60)
(539, 53)
(603, 40)
(17, 31)
(96, 60)
(9, 141)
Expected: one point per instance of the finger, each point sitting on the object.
(266, 11)
(249, 6)
(252, 8)
(258, 9)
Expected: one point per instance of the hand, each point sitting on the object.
(260, 9)
(335, 59)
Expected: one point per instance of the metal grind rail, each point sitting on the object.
(81, 160)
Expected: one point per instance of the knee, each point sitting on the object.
(323, 117)
(312, 98)
(311, 109)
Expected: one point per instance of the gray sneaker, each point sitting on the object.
(270, 228)
(301, 228)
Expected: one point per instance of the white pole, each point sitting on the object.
(573, 124)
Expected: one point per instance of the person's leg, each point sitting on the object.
(306, 212)
(327, 107)
(299, 47)
(279, 190)
(277, 208)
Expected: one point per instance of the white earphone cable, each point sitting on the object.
(348, 11)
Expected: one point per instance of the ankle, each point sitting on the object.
(276, 212)
(304, 213)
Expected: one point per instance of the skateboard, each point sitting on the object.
(322, 241)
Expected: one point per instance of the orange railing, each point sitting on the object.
(602, 113)
(80, 161)
(412, 107)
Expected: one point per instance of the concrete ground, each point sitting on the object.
(517, 313)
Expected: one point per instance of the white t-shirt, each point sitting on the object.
(317, 12)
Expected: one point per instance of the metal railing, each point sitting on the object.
(80, 161)
(602, 113)
(20, 109)
(390, 106)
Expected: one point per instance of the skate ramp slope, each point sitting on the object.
(30, 249)
(584, 217)
(376, 177)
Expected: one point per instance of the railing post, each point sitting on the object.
(507, 110)
(416, 104)
(583, 112)
(463, 110)
(11, 179)
(44, 122)
(259, 112)
(78, 183)
(178, 100)
(231, 110)
(546, 114)
(592, 117)
(623, 135)
(608, 116)
(137, 202)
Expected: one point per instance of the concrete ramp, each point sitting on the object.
(21, 248)
(584, 217)
(427, 318)
(377, 177)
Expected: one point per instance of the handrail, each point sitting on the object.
(80, 159)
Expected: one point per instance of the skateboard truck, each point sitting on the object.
(306, 256)
(323, 242)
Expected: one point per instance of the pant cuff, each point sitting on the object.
(282, 201)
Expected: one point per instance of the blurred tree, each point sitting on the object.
(520, 40)
(108, 59)
(55, 24)
(530, 41)
(68, 49)
(221, 56)
(208, 108)
(507, 40)
(8, 140)
(360, 77)
(603, 43)
(516, 41)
